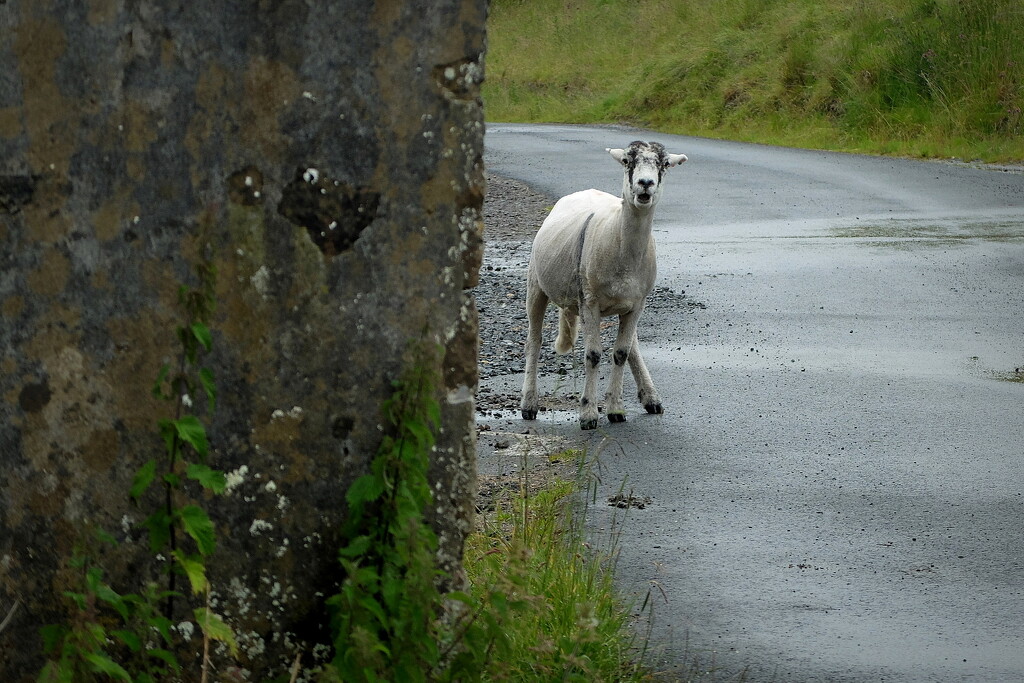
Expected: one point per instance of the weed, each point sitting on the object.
(928, 78)
(130, 636)
(571, 624)
(390, 619)
(384, 616)
(541, 604)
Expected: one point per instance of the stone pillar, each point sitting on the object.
(328, 158)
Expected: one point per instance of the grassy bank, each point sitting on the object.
(927, 78)
(564, 620)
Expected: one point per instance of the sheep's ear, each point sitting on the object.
(674, 159)
(619, 154)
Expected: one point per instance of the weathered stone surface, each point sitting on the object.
(328, 156)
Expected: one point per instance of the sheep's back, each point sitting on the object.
(558, 246)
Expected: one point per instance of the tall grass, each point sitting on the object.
(570, 624)
(923, 78)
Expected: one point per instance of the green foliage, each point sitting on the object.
(390, 620)
(562, 617)
(130, 637)
(542, 605)
(186, 446)
(110, 636)
(209, 478)
(928, 78)
(215, 628)
(385, 614)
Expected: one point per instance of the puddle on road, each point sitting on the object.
(900, 232)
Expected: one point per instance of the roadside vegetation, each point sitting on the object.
(540, 602)
(567, 621)
(927, 78)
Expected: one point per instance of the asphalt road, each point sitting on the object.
(837, 484)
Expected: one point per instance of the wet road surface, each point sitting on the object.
(837, 484)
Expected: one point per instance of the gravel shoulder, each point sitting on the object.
(510, 455)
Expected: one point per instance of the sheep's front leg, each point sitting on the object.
(646, 392)
(624, 343)
(590, 321)
(536, 304)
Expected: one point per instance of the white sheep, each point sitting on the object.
(594, 257)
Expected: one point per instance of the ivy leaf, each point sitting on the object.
(108, 595)
(158, 385)
(159, 525)
(421, 434)
(77, 598)
(162, 624)
(365, 489)
(392, 589)
(129, 638)
(208, 478)
(105, 665)
(215, 628)
(53, 636)
(93, 579)
(188, 343)
(194, 569)
(434, 413)
(57, 672)
(164, 656)
(356, 547)
(168, 431)
(197, 524)
(463, 597)
(206, 378)
(106, 537)
(191, 431)
(202, 334)
(183, 295)
(374, 608)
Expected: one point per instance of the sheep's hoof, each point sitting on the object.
(654, 408)
(529, 414)
(616, 417)
(588, 424)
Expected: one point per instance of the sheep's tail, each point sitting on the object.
(567, 330)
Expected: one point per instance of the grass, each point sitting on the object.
(571, 625)
(927, 78)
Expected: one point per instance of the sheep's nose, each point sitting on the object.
(646, 183)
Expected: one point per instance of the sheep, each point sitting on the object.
(594, 257)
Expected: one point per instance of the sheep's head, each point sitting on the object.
(645, 163)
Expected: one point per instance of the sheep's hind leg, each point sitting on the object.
(624, 341)
(536, 303)
(591, 323)
(646, 392)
